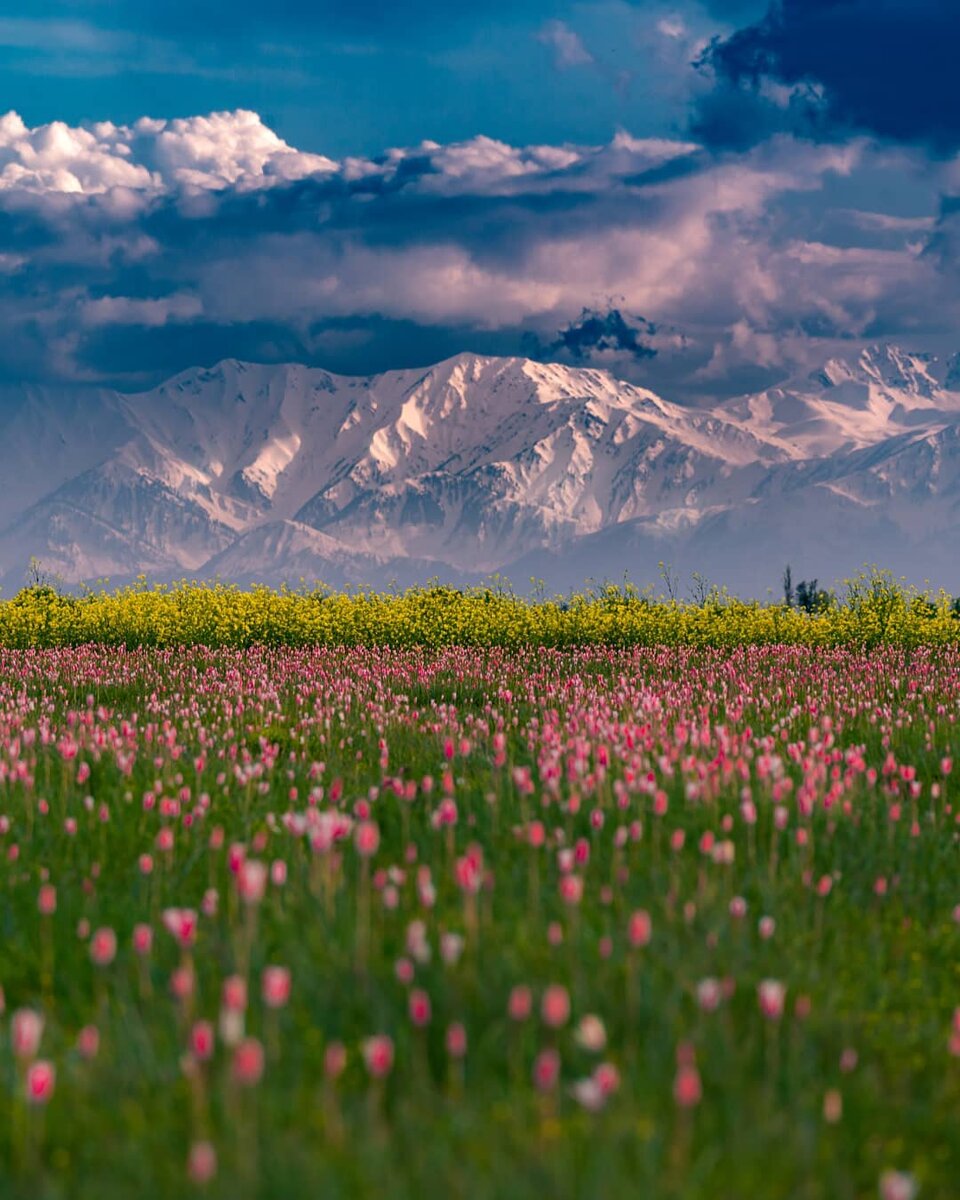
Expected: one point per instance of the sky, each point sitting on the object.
(704, 196)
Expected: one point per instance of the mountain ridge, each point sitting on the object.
(480, 464)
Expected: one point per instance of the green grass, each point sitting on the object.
(880, 973)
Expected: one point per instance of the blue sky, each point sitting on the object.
(703, 195)
(353, 78)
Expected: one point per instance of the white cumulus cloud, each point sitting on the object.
(226, 149)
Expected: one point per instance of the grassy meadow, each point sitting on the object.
(474, 911)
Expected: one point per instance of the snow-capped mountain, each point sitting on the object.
(479, 465)
(850, 404)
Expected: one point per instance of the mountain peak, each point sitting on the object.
(884, 365)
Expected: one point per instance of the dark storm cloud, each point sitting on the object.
(606, 331)
(831, 67)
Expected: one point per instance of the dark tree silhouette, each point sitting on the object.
(788, 587)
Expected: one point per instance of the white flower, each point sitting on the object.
(897, 1185)
(589, 1094)
(451, 947)
(591, 1034)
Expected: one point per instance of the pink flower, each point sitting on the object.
(687, 1089)
(419, 1007)
(202, 1162)
(546, 1070)
(367, 839)
(103, 947)
(607, 1078)
(468, 871)
(202, 1041)
(40, 1082)
(235, 993)
(593, 1093)
(248, 1063)
(276, 986)
(709, 994)
(520, 1003)
(378, 1055)
(456, 1040)
(26, 1030)
(182, 982)
(251, 880)
(88, 1041)
(571, 888)
(142, 939)
(771, 994)
(555, 1006)
(47, 899)
(897, 1185)
(640, 928)
(182, 924)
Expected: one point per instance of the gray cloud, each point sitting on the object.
(127, 253)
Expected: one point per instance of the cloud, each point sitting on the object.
(144, 312)
(832, 67)
(32, 33)
(130, 252)
(568, 48)
(673, 27)
(216, 151)
(597, 333)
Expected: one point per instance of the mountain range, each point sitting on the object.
(480, 465)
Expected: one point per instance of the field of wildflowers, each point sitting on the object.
(679, 921)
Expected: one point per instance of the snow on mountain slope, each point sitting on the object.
(114, 520)
(480, 459)
(480, 464)
(883, 392)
